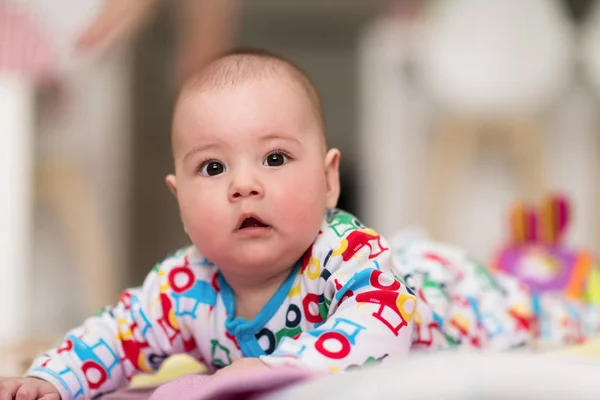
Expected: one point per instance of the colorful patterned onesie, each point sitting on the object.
(349, 301)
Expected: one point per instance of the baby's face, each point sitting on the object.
(252, 177)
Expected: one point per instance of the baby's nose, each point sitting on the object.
(245, 192)
(244, 186)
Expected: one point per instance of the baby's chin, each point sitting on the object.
(256, 260)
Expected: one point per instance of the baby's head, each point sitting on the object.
(253, 177)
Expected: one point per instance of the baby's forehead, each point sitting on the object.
(233, 70)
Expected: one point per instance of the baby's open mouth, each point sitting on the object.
(252, 222)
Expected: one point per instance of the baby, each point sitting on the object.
(275, 275)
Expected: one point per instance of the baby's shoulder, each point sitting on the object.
(343, 238)
(339, 225)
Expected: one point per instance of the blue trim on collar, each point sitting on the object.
(245, 331)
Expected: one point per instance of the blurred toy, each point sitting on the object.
(537, 253)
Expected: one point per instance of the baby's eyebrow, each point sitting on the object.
(279, 136)
(202, 147)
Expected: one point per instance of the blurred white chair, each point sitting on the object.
(492, 68)
(393, 118)
(25, 58)
(36, 42)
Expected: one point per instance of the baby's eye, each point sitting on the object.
(275, 159)
(211, 168)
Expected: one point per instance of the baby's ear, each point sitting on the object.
(171, 181)
(172, 184)
(332, 178)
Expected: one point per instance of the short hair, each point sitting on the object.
(245, 63)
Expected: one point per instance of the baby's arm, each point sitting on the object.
(367, 315)
(135, 335)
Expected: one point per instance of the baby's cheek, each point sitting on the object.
(203, 218)
(208, 235)
(300, 199)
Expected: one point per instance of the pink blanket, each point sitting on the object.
(250, 384)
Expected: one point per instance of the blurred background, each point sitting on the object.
(446, 113)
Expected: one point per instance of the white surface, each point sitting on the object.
(459, 376)
(17, 103)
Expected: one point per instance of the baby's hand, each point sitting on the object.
(27, 389)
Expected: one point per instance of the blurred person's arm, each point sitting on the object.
(207, 28)
(117, 21)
